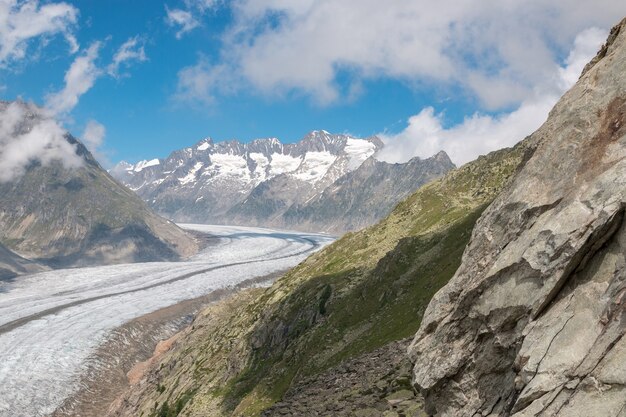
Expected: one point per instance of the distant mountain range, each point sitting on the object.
(61, 217)
(324, 182)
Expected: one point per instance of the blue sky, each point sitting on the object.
(424, 77)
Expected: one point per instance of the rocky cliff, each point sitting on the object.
(532, 323)
(79, 215)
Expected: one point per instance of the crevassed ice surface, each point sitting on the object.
(50, 323)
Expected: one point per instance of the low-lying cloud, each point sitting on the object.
(31, 134)
(28, 135)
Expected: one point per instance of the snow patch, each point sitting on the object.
(203, 147)
(282, 164)
(228, 165)
(314, 166)
(191, 177)
(358, 150)
(262, 162)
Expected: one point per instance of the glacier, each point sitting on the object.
(50, 323)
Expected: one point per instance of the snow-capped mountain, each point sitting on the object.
(247, 183)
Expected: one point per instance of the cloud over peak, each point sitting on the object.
(26, 135)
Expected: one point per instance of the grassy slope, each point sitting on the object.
(367, 289)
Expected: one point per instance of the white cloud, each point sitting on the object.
(27, 135)
(425, 134)
(131, 50)
(498, 51)
(198, 83)
(79, 78)
(202, 5)
(585, 47)
(182, 19)
(479, 134)
(188, 19)
(93, 135)
(23, 20)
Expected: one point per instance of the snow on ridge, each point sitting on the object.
(262, 162)
(230, 164)
(249, 164)
(191, 176)
(283, 164)
(314, 166)
(358, 150)
(141, 165)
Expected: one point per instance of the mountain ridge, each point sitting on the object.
(267, 183)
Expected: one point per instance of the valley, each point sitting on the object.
(52, 323)
(179, 237)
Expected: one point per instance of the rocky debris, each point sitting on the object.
(373, 384)
(198, 365)
(532, 323)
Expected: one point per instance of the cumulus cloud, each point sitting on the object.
(21, 21)
(131, 50)
(479, 134)
(499, 52)
(26, 136)
(79, 79)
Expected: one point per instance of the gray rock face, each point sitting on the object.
(324, 182)
(532, 324)
(79, 216)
